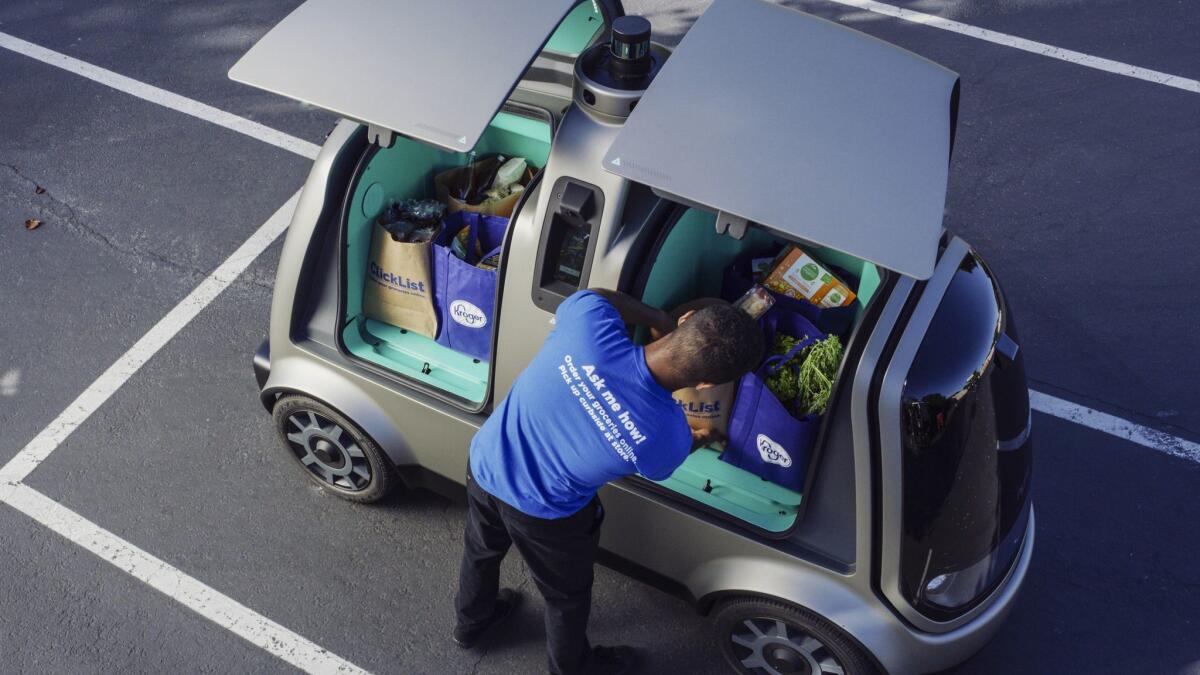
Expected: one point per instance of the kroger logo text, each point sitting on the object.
(772, 452)
(467, 314)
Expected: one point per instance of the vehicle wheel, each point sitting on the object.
(333, 452)
(767, 637)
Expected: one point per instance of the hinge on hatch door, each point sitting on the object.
(734, 226)
(384, 137)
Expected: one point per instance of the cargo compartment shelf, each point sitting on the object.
(418, 357)
(705, 478)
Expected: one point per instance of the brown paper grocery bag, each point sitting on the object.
(707, 408)
(398, 289)
(503, 207)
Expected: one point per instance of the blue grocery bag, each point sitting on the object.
(465, 295)
(764, 437)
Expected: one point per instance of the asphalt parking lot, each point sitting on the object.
(1080, 187)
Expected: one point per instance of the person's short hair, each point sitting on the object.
(717, 344)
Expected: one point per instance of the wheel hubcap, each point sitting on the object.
(329, 454)
(786, 660)
(772, 647)
(328, 451)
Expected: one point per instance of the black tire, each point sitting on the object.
(332, 451)
(747, 631)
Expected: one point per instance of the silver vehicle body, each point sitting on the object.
(841, 558)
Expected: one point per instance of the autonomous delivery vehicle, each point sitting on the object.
(891, 529)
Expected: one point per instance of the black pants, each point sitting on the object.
(560, 554)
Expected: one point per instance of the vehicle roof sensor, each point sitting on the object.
(611, 77)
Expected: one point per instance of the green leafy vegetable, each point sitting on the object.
(805, 381)
(785, 383)
(816, 374)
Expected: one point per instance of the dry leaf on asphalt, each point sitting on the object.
(39, 190)
(33, 224)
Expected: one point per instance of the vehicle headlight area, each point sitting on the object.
(967, 450)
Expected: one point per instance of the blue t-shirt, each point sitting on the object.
(586, 411)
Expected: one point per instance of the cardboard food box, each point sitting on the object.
(798, 275)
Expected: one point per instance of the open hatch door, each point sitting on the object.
(433, 70)
(808, 128)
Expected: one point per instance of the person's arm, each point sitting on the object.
(702, 438)
(636, 312)
(706, 438)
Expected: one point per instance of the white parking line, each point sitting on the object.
(161, 576)
(162, 97)
(191, 593)
(38, 449)
(1070, 56)
(1115, 426)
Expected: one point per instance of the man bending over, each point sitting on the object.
(590, 408)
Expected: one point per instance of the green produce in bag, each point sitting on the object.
(805, 381)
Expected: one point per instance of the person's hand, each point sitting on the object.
(705, 438)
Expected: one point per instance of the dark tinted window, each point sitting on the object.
(967, 453)
(571, 254)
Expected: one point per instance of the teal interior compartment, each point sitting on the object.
(576, 31)
(692, 259)
(690, 265)
(402, 171)
(734, 491)
(694, 256)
